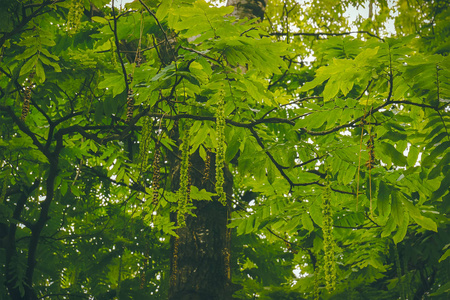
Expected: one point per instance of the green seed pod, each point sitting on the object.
(328, 239)
(220, 151)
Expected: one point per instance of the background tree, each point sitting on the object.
(123, 128)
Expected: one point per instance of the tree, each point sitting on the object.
(132, 136)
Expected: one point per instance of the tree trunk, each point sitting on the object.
(200, 261)
(200, 266)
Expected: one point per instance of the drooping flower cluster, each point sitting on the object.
(130, 99)
(183, 197)
(27, 97)
(144, 144)
(74, 17)
(156, 174)
(220, 151)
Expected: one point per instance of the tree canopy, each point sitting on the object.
(132, 136)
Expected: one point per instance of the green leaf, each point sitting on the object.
(332, 117)
(27, 53)
(189, 76)
(28, 66)
(47, 62)
(383, 199)
(113, 82)
(163, 9)
(389, 227)
(40, 74)
(414, 212)
(397, 210)
(365, 56)
(250, 225)
(445, 255)
(248, 265)
(199, 137)
(167, 72)
(402, 229)
(317, 81)
(443, 188)
(436, 171)
(431, 158)
(48, 54)
(202, 194)
(443, 289)
(397, 158)
(316, 120)
(232, 148)
(307, 222)
(271, 171)
(349, 174)
(315, 211)
(413, 154)
(393, 136)
(426, 223)
(331, 89)
(102, 20)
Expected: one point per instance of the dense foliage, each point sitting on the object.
(338, 145)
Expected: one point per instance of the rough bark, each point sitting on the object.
(200, 266)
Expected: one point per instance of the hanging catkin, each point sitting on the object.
(183, 193)
(328, 240)
(156, 174)
(27, 97)
(130, 99)
(144, 144)
(74, 17)
(144, 265)
(316, 295)
(220, 151)
(207, 167)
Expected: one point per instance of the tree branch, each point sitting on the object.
(277, 165)
(199, 53)
(318, 34)
(44, 213)
(24, 128)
